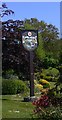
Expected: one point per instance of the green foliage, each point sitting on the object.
(49, 60)
(10, 71)
(0, 85)
(40, 50)
(13, 86)
(54, 72)
(21, 86)
(28, 26)
(56, 91)
(46, 86)
(52, 113)
(50, 74)
(37, 75)
(60, 85)
(45, 83)
(48, 108)
(9, 87)
(9, 74)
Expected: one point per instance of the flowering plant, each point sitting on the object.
(39, 86)
(45, 83)
(42, 81)
(40, 103)
(43, 101)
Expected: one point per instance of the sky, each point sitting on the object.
(49, 12)
(32, 0)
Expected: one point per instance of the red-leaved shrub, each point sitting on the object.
(43, 101)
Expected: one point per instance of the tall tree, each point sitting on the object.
(4, 10)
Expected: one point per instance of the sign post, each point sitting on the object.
(30, 43)
(31, 75)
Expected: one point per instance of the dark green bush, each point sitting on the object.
(21, 86)
(13, 86)
(9, 87)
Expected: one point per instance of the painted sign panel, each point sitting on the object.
(30, 39)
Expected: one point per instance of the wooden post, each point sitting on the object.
(31, 75)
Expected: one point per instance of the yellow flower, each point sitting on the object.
(42, 81)
(39, 86)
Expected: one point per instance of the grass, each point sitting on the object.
(0, 107)
(15, 108)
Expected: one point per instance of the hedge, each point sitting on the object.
(13, 86)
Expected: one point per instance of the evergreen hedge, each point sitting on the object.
(13, 86)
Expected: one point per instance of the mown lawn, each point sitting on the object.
(0, 107)
(16, 108)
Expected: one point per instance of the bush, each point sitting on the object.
(50, 74)
(35, 82)
(9, 87)
(46, 86)
(45, 83)
(43, 101)
(39, 86)
(8, 74)
(37, 75)
(42, 81)
(52, 113)
(13, 86)
(21, 86)
(47, 108)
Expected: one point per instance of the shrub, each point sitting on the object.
(21, 86)
(9, 87)
(52, 113)
(46, 86)
(45, 83)
(13, 86)
(42, 81)
(37, 75)
(47, 108)
(50, 74)
(43, 101)
(60, 87)
(39, 86)
(35, 82)
(8, 74)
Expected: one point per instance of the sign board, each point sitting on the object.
(30, 39)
